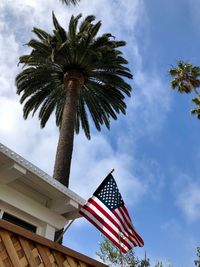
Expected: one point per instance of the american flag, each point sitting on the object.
(106, 210)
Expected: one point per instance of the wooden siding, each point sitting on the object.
(21, 248)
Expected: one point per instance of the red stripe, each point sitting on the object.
(129, 223)
(116, 234)
(126, 211)
(127, 232)
(131, 237)
(90, 210)
(132, 230)
(93, 202)
(106, 234)
(124, 218)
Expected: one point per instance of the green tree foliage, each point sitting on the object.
(74, 74)
(186, 79)
(111, 255)
(160, 264)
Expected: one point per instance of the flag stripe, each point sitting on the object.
(119, 222)
(125, 213)
(119, 214)
(129, 231)
(102, 219)
(93, 220)
(127, 219)
(124, 219)
(118, 218)
(102, 208)
(106, 210)
(109, 220)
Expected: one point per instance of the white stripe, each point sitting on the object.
(117, 230)
(129, 220)
(128, 229)
(104, 228)
(120, 213)
(112, 215)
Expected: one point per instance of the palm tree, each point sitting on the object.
(197, 262)
(186, 79)
(196, 111)
(73, 73)
(68, 2)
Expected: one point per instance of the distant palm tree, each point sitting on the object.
(196, 111)
(186, 79)
(73, 73)
(197, 262)
(68, 2)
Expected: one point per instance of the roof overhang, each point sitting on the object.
(17, 171)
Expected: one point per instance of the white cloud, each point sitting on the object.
(185, 189)
(92, 160)
(194, 12)
(173, 227)
(189, 201)
(8, 63)
(149, 105)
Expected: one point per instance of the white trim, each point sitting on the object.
(41, 174)
(31, 207)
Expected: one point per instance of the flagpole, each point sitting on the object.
(62, 234)
(112, 171)
(98, 213)
(121, 256)
(122, 260)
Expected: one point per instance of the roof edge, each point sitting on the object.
(41, 174)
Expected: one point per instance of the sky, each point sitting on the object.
(154, 149)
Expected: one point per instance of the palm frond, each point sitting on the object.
(186, 79)
(97, 57)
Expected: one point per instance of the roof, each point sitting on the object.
(16, 170)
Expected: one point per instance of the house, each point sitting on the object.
(33, 207)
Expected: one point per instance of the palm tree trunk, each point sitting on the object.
(66, 138)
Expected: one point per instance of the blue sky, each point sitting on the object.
(154, 149)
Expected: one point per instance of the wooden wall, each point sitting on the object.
(21, 248)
